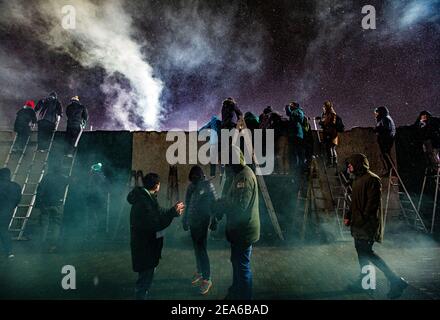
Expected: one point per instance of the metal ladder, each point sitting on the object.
(23, 211)
(407, 207)
(437, 184)
(241, 124)
(309, 200)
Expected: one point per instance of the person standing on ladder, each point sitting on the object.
(49, 112)
(77, 117)
(10, 197)
(365, 218)
(429, 131)
(386, 131)
(26, 117)
(50, 194)
(329, 122)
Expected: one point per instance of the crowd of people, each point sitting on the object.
(239, 199)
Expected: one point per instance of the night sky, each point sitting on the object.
(142, 65)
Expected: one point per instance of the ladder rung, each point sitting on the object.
(19, 218)
(15, 230)
(28, 194)
(25, 205)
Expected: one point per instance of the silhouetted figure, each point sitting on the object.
(50, 196)
(429, 133)
(49, 112)
(147, 222)
(77, 117)
(229, 108)
(26, 117)
(10, 197)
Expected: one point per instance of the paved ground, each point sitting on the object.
(293, 271)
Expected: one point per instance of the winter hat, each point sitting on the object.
(382, 111)
(30, 104)
(360, 163)
(267, 110)
(425, 113)
(196, 174)
(53, 95)
(75, 98)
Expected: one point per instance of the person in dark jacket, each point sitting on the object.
(198, 218)
(429, 133)
(49, 112)
(10, 197)
(147, 222)
(365, 218)
(296, 134)
(386, 131)
(26, 117)
(96, 196)
(77, 117)
(330, 133)
(229, 108)
(50, 196)
(240, 204)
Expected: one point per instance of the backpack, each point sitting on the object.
(339, 124)
(306, 124)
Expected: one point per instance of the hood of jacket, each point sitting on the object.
(382, 112)
(360, 164)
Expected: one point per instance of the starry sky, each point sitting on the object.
(144, 65)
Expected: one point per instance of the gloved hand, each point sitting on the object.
(347, 222)
(185, 227)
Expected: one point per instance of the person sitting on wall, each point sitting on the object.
(147, 222)
(198, 218)
(26, 117)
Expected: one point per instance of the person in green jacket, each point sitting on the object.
(365, 218)
(240, 204)
(147, 222)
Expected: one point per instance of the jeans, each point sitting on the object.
(242, 275)
(143, 283)
(5, 238)
(199, 239)
(45, 131)
(364, 249)
(51, 220)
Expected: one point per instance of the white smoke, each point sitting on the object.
(103, 38)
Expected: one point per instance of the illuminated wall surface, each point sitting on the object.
(123, 151)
